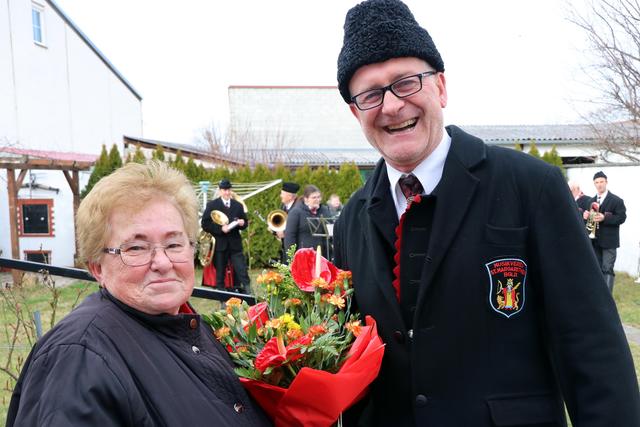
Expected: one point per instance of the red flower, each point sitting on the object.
(274, 353)
(258, 314)
(303, 269)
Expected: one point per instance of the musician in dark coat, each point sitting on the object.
(288, 199)
(611, 214)
(583, 201)
(472, 258)
(228, 244)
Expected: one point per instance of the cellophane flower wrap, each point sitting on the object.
(300, 351)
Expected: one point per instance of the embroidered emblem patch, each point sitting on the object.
(507, 279)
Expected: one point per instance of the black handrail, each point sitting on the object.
(78, 273)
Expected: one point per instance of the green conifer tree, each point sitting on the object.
(100, 169)
(115, 161)
(552, 157)
(138, 156)
(533, 150)
(158, 153)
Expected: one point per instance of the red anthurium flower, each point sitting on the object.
(274, 353)
(303, 269)
(258, 314)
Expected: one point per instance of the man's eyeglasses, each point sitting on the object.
(402, 88)
(139, 252)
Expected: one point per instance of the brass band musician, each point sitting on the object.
(228, 244)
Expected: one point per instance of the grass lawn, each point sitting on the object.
(36, 296)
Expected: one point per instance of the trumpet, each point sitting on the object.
(592, 225)
(277, 220)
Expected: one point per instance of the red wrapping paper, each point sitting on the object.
(317, 398)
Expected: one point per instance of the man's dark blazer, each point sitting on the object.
(615, 214)
(461, 362)
(231, 240)
(584, 203)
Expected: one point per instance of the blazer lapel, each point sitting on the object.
(454, 194)
(379, 219)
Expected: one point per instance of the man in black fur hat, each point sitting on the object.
(471, 258)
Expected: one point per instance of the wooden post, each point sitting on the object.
(74, 183)
(13, 185)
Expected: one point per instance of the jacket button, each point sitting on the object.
(195, 349)
(193, 323)
(238, 407)
(399, 337)
(428, 259)
(421, 400)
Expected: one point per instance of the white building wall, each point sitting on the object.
(59, 97)
(309, 117)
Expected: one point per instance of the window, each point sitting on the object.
(37, 23)
(38, 256)
(36, 217)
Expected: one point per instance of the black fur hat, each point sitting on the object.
(378, 30)
(290, 187)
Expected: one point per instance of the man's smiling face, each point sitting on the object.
(404, 130)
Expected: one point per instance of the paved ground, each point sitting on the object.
(633, 334)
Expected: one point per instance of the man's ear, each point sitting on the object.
(96, 271)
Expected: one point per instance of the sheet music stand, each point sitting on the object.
(322, 227)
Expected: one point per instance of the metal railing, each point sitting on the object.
(80, 274)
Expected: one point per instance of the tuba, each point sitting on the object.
(277, 220)
(592, 225)
(206, 242)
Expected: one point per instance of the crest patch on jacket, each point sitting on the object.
(507, 278)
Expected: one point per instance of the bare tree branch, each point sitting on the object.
(612, 28)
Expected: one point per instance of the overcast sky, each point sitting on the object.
(507, 61)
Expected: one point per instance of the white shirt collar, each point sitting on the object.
(429, 172)
(603, 196)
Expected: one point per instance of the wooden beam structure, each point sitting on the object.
(70, 168)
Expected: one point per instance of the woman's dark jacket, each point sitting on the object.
(299, 232)
(106, 364)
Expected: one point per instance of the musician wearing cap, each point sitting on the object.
(288, 199)
(610, 214)
(226, 230)
(471, 257)
(135, 353)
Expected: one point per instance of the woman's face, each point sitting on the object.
(160, 286)
(313, 201)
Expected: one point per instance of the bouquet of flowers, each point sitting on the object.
(300, 351)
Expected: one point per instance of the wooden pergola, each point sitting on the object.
(23, 160)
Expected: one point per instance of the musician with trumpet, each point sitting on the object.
(277, 219)
(603, 220)
(224, 218)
